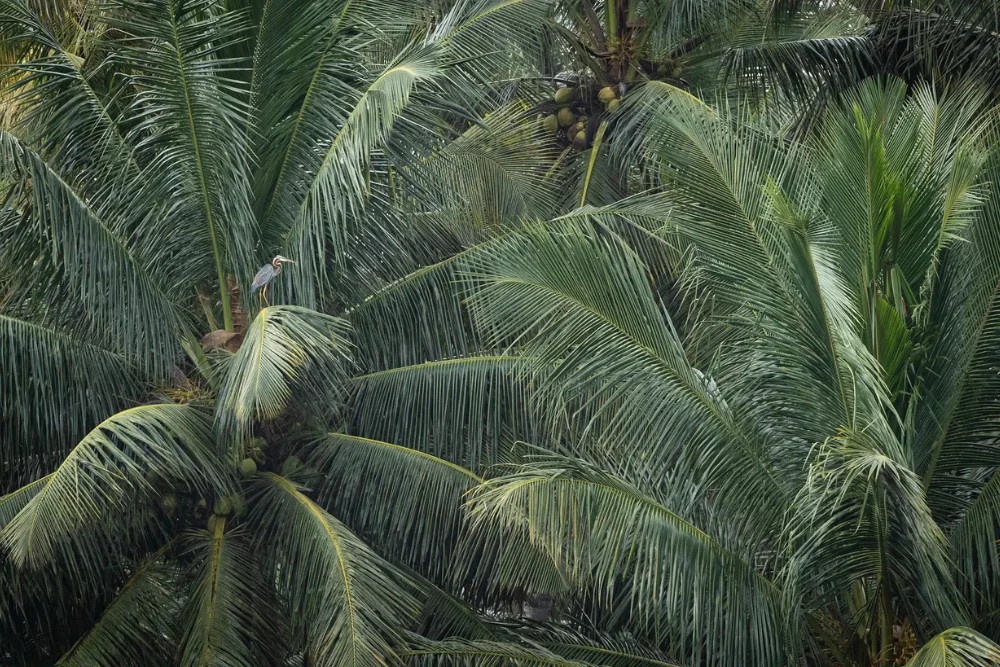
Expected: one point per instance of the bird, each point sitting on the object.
(266, 274)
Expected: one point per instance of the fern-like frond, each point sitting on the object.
(606, 533)
(46, 371)
(957, 647)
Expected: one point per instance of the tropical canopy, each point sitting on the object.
(715, 384)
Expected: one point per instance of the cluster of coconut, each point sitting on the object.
(572, 112)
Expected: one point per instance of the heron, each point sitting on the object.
(266, 274)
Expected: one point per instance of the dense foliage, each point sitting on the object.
(619, 333)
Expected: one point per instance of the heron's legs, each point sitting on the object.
(264, 294)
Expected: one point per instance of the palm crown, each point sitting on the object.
(745, 416)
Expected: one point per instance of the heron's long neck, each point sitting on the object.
(277, 267)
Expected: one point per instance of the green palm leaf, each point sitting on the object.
(138, 626)
(605, 532)
(285, 346)
(957, 647)
(97, 273)
(201, 164)
(361, 485)
(229, 617)
(45, 370)
(348, 603)
(431, 408)
(107, 467)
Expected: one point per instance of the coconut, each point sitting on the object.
(613, 104)
(607, 95)
(168, 503)
(223, 505)
(566, 117)
(580, 141)
(563, 95)
(551, 124)
(248, 467)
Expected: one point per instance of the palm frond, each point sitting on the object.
(605, 532)
(348, 603)
(496, 653)
(46, 370)
(466, 410)
(362, 480)
(229, 617)
(138, 627)
(957, 647)
(58, 108)
(579, 298)
(188, 121)
(96, 277)
(108, 466)
(285, 347)
(320, 207)
(14, 502)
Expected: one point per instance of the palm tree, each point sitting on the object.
(744, 419)
(180, 477)
(785, 54)
(760, 401)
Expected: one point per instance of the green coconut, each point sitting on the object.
(607, 95)
(566, 117)
(551, 124)
(613, 104)
(248, 467)
(168, 503)
(580, 141)
(223, 505)
(563, 95)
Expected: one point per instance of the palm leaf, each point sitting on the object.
(957, 647)
(284, 347)
(347, 602)
(468, 411)
(97, 272)
(44, 371)
(604, 532)
(108, 466)
(229, 618)
(362, 479)
(200, 164)
(138, 626)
